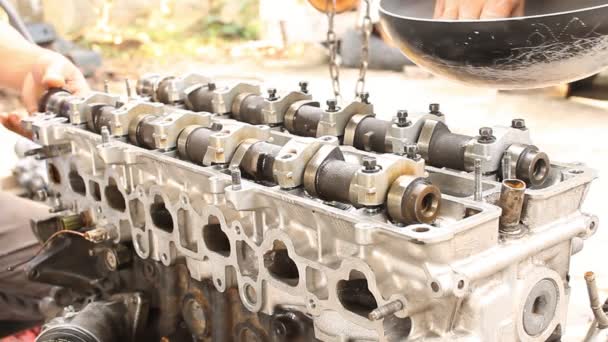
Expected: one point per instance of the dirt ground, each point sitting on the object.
(567, 129)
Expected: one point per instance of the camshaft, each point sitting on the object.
(269, 157)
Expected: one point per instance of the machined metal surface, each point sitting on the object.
(372, 247)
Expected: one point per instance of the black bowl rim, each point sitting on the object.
(385, 12)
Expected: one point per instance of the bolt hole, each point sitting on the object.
(461, 284)
(435, 287)
(592, 225)
(250, 294)
(421, 229)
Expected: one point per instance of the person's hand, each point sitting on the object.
(51, 70)
(478, 9)
(13, 123)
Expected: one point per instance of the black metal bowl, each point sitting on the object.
(558, 41)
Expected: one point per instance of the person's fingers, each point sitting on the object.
(450, 10)
(495, 9)
(439, 7)
(13, 123)
(520, 9)
(470, 9)
(31, 93)
(54, 75)
(77, 84)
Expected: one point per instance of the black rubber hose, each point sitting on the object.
(15, 20)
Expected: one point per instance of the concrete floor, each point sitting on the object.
(568, 130)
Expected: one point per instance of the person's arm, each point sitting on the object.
(478, 9)
(32, 70)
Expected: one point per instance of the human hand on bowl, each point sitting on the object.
(478, 9)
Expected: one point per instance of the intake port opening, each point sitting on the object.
(114, 197)
(77, 183)
(95, 190)
(214, 237)
(355, 296)
(54, 174)
(280, 265)
(161, 217)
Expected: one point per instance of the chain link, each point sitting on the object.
(366, 31)
(332, 45)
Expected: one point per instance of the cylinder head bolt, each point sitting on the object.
(272, 94)
(364, 97)
(370, 165)
(303, 87)
(518, 124)
(486, 135)
(435, 109)
(332, 105)
(401, 120)
(411, 152)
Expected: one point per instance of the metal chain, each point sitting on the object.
(332, 45)
(366, 30)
